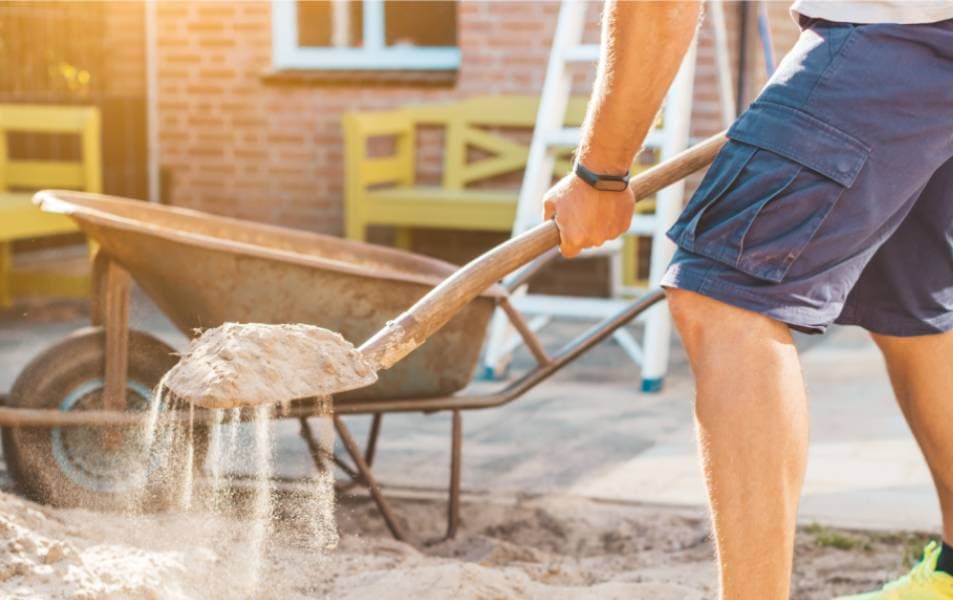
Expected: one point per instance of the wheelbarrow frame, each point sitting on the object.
(110, 310)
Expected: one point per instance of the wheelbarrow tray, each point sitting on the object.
(202, 270)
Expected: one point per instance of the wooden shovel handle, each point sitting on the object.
(408, 331)
(402, 335)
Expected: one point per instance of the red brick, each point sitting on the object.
(214, 9)
(205, 26)
(212, 42)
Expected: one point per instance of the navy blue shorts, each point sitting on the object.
(833, 199)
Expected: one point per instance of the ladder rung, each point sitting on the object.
(654, 139)
(608, 249)
(581, 53)
(643, 225)
(640, 225)
(568, 137)
(571, 306)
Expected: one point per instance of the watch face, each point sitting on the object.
(609, 185)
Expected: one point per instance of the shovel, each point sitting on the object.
(237, 365)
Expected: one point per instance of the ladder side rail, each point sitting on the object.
(540, 162)
(658, 329)
(551, 115)
(716, 10)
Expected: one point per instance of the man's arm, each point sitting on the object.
(642, 47)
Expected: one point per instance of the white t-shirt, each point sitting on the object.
(876, 11)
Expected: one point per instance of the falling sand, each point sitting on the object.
(255, 366)
(224, 507)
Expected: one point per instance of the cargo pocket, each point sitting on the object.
(769, 190)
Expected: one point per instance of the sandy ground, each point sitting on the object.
(531, 546)
(542, 547)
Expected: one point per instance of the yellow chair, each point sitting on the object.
(19, 218)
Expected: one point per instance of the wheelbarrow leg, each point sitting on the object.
(97, 291)
(358, 457)
(319, 455)
(456, 450)
(372, 439)
(111, 310)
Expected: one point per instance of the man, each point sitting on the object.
(833, 202)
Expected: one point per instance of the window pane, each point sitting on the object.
(420, 23)
(337, 23)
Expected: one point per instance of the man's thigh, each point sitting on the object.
(820, 171)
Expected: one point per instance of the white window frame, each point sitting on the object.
(373, 54)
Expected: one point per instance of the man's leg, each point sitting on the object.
(922, 380)
(752, 425)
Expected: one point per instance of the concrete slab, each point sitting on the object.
(864, 468)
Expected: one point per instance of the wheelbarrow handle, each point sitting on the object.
(411, 329)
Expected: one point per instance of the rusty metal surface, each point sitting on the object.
(202, 270)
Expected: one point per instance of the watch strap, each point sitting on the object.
(600, 181)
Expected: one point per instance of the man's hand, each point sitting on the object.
(586, 217)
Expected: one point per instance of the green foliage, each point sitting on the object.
(825, 537)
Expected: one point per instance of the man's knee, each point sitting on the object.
(686, 308)
(694, 313)
(702, 320)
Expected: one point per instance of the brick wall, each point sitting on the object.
(237, 143)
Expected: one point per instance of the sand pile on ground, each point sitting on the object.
(45, 555)
(78, 554)
(552, 547)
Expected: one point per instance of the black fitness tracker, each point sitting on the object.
(603, 183)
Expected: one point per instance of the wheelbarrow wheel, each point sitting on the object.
(97, 467)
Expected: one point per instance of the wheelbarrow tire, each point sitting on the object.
(73, 467)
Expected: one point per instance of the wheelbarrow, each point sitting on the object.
(72, 416)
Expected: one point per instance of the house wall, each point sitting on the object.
(236, 142)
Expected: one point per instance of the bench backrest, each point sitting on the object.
(470, 123)
(84, 174)
(474, 123)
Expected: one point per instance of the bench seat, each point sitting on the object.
(432, 206)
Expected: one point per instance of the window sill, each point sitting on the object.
(364, 77)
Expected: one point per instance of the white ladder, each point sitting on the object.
(549, 137)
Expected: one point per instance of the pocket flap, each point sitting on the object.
(800, 137)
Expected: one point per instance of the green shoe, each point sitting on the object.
(923, 582)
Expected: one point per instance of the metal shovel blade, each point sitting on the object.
(247, 364)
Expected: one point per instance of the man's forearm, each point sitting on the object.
(642, 47)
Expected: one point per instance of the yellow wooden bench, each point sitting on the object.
(19, 218)
(383, 190)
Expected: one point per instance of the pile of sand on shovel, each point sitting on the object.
(248, 364)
